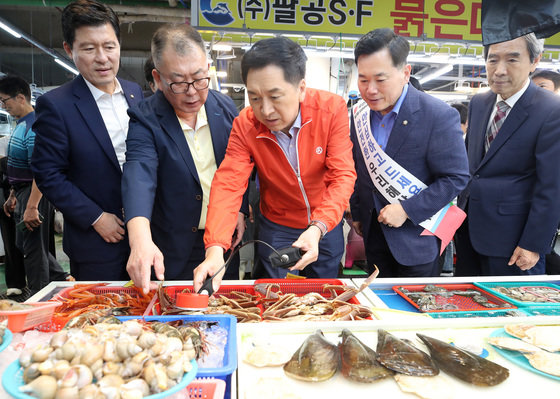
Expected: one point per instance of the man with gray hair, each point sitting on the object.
(514, 158)
(177, 138)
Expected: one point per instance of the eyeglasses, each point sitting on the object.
(3, 100)
(183, 87)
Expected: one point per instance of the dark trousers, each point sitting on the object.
(108, 270)
(40, 266)
(331, 248)
(378, 253)
(13, 258)
(471, 263)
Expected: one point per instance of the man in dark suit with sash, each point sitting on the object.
(410, 160)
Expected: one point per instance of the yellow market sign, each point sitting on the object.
(441, 19)
(453, 20)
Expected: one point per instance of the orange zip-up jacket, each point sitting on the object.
(320, 191)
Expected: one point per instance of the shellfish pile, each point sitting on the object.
(128, 360)
(539, 344)
(318, 360)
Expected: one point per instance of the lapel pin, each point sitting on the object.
(132, 96)
(405, 122)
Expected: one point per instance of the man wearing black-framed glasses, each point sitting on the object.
(176, 140)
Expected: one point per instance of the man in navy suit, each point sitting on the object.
(81, 129)
(513, 145)
(423, 136)
(177, 139)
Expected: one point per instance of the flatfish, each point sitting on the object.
(400, 356)
(358, 361)
(464, 365)
(315, 360)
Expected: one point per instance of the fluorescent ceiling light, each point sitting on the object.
(441, 71)
(10, 30)
(448, 97)
(221, 47)
(66, 66)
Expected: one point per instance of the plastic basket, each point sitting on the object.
(463, 303)
(57, 322)
(6, 339)
(206, 388)
(542, 311)
(302, 287)
(21, 320)
(480, 313)
(225, 321)
(225, 290)
(490, 287)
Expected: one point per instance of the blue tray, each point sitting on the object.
(7, 339)
(517, 357)
(543, 311)
(12, 379)
(478, 313)
(490, 288)
(225, 321)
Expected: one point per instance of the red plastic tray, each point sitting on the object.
(204, 388)
(463, 303)
(56, 323)
(305, 286)
(225, 290)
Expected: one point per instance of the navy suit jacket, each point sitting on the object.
(76, 168)
(514, 189)
(160, 181)
(427, 141)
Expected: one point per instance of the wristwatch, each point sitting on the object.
(320, 225)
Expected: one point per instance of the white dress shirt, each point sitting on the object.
(113, 109)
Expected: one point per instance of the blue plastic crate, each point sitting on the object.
(230, 351)
(543, 311)
(478, 313)
(490, 287)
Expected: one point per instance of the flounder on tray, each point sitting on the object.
(358, 361)
(315, 360)
(398, 355)
(464, 365)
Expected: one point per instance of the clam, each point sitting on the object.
(90, 391)
(91, 354)
(41, 353)
(358, 361)
(133, 386)
(315, 360)
(43, 387)
(156, 377)
(402, 357)
(132, 328)
(146, 339)
(464, 365)
(31, 372)
(60, 368)
(59, 338)
(67, 392)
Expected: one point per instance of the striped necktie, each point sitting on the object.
(497, 122)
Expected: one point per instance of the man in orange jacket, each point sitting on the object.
(298, 140)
